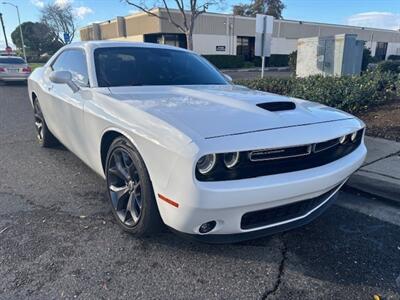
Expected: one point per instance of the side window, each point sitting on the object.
(75, 62)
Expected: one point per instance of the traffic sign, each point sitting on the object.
(264, 29)
(66, 37)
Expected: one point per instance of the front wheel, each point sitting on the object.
(130, 190)
(43, 135)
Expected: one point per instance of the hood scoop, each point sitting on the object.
(277, 106)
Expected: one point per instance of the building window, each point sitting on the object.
(245, 47)
(177, 40)
(381, 49)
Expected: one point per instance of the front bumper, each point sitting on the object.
(228, 201)
(273, 229)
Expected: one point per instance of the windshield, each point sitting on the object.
(127, 66)
(12, 60)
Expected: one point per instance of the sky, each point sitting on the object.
(368, 13)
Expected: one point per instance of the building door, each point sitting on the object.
(381, 49)
(245, 47)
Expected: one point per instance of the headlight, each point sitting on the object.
(343, 139)
(353, 136)
(206, 163)
(231, 159)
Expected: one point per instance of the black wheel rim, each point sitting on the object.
(38, 121)
(124, 187)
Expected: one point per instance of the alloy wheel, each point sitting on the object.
(38, 121)
(124, 187)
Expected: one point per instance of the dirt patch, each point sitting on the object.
(383, 121)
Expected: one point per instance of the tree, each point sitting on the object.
(60, 20)
(188, 13)
(38, 38)
(274, 8)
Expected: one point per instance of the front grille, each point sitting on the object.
(261, 155)
(261, 218)
(278, 161)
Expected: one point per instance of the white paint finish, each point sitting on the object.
(283, 45)
(393, 49)
(371, 45)
(168, 126)
(205, 44)
(196, 110)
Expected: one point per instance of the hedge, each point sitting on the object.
(237, 61)
(226, 61)
(394, 57)
(388, 66)
(275, 60)
(350, 93)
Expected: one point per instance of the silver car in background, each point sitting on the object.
(13, 68)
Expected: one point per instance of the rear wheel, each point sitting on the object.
(130, 190)
(43, 135)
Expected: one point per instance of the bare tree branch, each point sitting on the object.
(59, 20)
(188, 16)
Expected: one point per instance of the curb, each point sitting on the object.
(376, 184)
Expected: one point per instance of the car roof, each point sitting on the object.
(91, 45)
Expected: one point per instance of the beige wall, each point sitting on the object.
(206, 44)
(108, 30)
(131, 38)
(216, 28)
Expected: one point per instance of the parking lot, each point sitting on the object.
(58, 239)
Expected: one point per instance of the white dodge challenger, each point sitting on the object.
(179, 144)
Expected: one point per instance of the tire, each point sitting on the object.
(130, 191)
(43, 135)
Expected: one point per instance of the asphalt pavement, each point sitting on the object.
(58, 239)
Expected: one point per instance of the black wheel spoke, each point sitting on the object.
(38, 122)
(120, 166)
(119, 196)
(116, 172)
(124, 187)
(135, 209)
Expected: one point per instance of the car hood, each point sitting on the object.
(220, 110)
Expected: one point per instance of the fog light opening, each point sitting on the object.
(207, 227)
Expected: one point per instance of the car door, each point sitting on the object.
(66, 107)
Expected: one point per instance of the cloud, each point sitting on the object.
(38, 3)
(386, 20)
(63, 3)
(82, 11)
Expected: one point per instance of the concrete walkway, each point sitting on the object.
(380, 174)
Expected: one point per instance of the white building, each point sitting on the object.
(233, 35)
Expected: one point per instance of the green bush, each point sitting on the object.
(237, 61)
(394, 57)
(388, 66)
(275, 60)
(350, 93)
(226, 61)
(293, 60)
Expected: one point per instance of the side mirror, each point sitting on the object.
(227, 77)
(64, 77)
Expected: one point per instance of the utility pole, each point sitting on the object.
(20, 28)
(4, 29)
